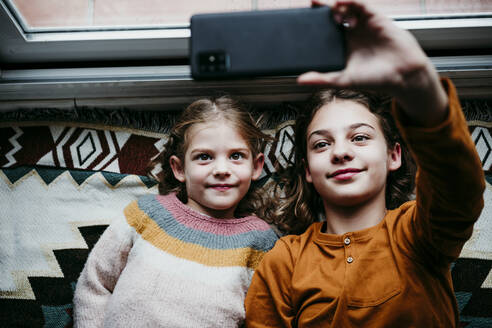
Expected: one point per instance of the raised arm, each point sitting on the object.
(450, 184)
(100, 274)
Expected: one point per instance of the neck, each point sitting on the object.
(343, 219)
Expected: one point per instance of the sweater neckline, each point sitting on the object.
(174, 200)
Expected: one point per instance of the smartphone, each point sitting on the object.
(265, 43)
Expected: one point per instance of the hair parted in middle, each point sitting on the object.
(299, 204)
(205, 111)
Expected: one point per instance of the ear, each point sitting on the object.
(394, 158)
(177, 167)
(308, 173)
(258, 163)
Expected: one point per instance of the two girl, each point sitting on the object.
(374, 260)
(185, 258)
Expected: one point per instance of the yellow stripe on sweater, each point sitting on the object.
(151, 232)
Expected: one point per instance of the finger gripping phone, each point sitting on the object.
(265, 43)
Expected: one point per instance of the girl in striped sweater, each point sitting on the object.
(185, 258)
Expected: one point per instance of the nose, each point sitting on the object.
(221, 168)
(341, 152)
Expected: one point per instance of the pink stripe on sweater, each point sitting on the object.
(195, 220)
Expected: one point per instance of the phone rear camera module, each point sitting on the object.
(213, 62)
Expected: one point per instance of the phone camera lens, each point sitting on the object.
(213, 62)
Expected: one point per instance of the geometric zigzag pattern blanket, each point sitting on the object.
(62, 184)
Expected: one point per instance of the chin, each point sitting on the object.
(349, 200)
(222, 206)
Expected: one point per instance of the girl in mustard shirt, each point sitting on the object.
(375, 260)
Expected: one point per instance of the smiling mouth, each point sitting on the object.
(221, 187)
(344, 174)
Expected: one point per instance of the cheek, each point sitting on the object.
(316, 165)
(380, 161)
(245, 173)
(195, 173)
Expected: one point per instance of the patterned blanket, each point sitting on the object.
(61, 184)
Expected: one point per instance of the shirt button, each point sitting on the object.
(347, 241)
(350, 259)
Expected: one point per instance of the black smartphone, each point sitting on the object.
(265, 43)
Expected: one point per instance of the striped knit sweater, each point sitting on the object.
(167, 265)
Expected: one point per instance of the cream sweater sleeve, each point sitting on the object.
(100, 274)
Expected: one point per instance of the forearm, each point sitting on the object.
(100, 274)
(421, 95)
(90, 302)
(445, 153)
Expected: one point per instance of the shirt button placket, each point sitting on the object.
(347, 241)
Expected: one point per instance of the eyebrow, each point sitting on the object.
(199, 150)
(358, 125)
(354, 126)
(206, 150)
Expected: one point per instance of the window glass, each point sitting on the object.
(96, 14)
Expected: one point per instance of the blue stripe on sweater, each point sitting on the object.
(258, 240)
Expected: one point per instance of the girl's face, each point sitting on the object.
(348, 159)
(218, 168)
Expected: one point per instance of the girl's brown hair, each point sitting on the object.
(300, 204)
(204, 111)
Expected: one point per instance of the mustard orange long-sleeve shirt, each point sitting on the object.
(395, 274)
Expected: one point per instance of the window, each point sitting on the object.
(101, 49)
